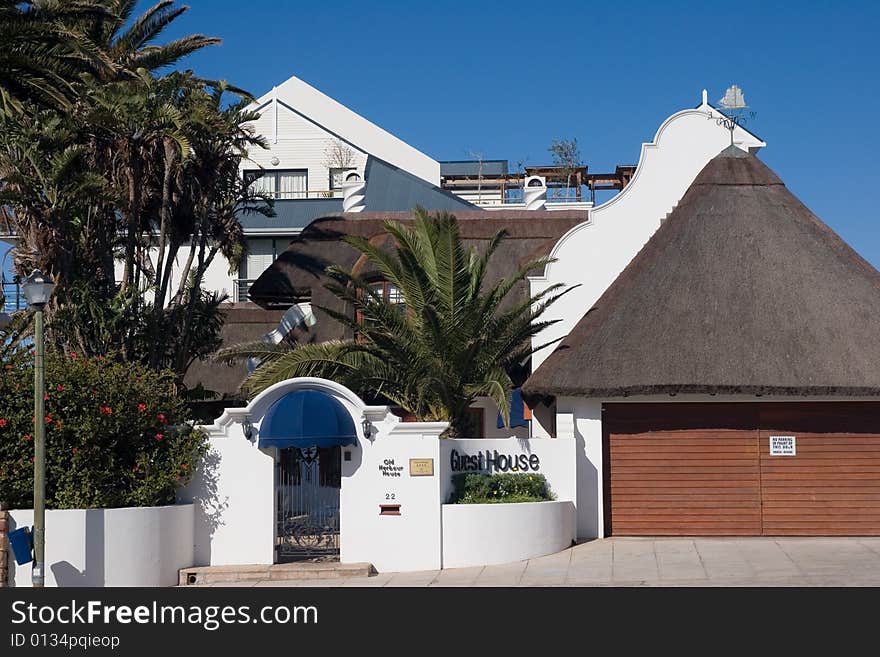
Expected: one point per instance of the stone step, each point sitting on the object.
(281, 571)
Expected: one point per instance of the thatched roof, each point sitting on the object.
(243, 322)
(298, 273)
(741, 290)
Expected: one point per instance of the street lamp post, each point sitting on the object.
(37, 289)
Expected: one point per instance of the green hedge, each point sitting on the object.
(117, 434)
(507, 487)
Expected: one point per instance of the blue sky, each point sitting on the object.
(506, 78)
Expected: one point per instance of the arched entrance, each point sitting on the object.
(307, 428)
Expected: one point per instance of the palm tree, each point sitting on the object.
(41, 52)
(456, 337)
(129, 43)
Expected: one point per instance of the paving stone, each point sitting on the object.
(503, 575)
(634, 560)
(372, 582)
(420, 578)
(726, 562)
(451, 576)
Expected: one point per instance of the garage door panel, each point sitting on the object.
(686, 503)
(674, 478)
(784, 497)
(832, 484)
(704, 469)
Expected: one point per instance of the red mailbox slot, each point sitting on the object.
(389, 509)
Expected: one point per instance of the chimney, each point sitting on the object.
(535, 193)
(354, 191)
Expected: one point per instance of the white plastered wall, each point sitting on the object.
(336, 119)
(298, 143)
(592, 254)
(217, 277)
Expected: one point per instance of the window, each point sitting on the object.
(388, 292)
(337, 176)
(261, 253)
(290, 183)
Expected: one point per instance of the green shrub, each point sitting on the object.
(116, 434)
(508, 487)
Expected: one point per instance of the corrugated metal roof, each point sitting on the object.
(392, 189)
(472, 168)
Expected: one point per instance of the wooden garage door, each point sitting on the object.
(706, 469)
(832, 484)
(682, 469)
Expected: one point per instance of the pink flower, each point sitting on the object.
(2, 422)
(142, 408)
(184, 466)
(59, 388)
(28, 437)
(72, 355)
(48, 420)
(75, 450)
(135, 469)
(57, 424)
(159, 436)
(162, 418)
(7, 367)
(106, 410)
(45, 396)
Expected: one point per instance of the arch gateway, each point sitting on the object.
(307, 470)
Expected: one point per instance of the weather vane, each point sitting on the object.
(733, 110)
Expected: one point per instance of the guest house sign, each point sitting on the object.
(491, 460)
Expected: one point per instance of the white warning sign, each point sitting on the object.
(783, 446)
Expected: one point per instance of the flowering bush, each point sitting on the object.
(116, 434)
(481, 488)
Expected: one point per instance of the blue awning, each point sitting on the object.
(307, 418)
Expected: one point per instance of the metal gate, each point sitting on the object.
(307, 485)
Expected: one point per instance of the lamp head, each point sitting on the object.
(37, 288)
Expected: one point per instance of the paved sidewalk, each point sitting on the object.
(659, 562)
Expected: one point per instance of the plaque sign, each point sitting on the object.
(421, 467)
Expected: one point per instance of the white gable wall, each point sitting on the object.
(594, 253)
(338, 120)
(300, 144)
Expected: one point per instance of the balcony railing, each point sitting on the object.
(13, 298)
(242, 289)
(311, 193)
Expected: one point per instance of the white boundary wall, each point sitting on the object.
(390, 516)
(555, 460)
(487, 534)
(143, 546)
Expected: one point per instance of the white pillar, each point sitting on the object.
(535, 192)
(354, 192)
